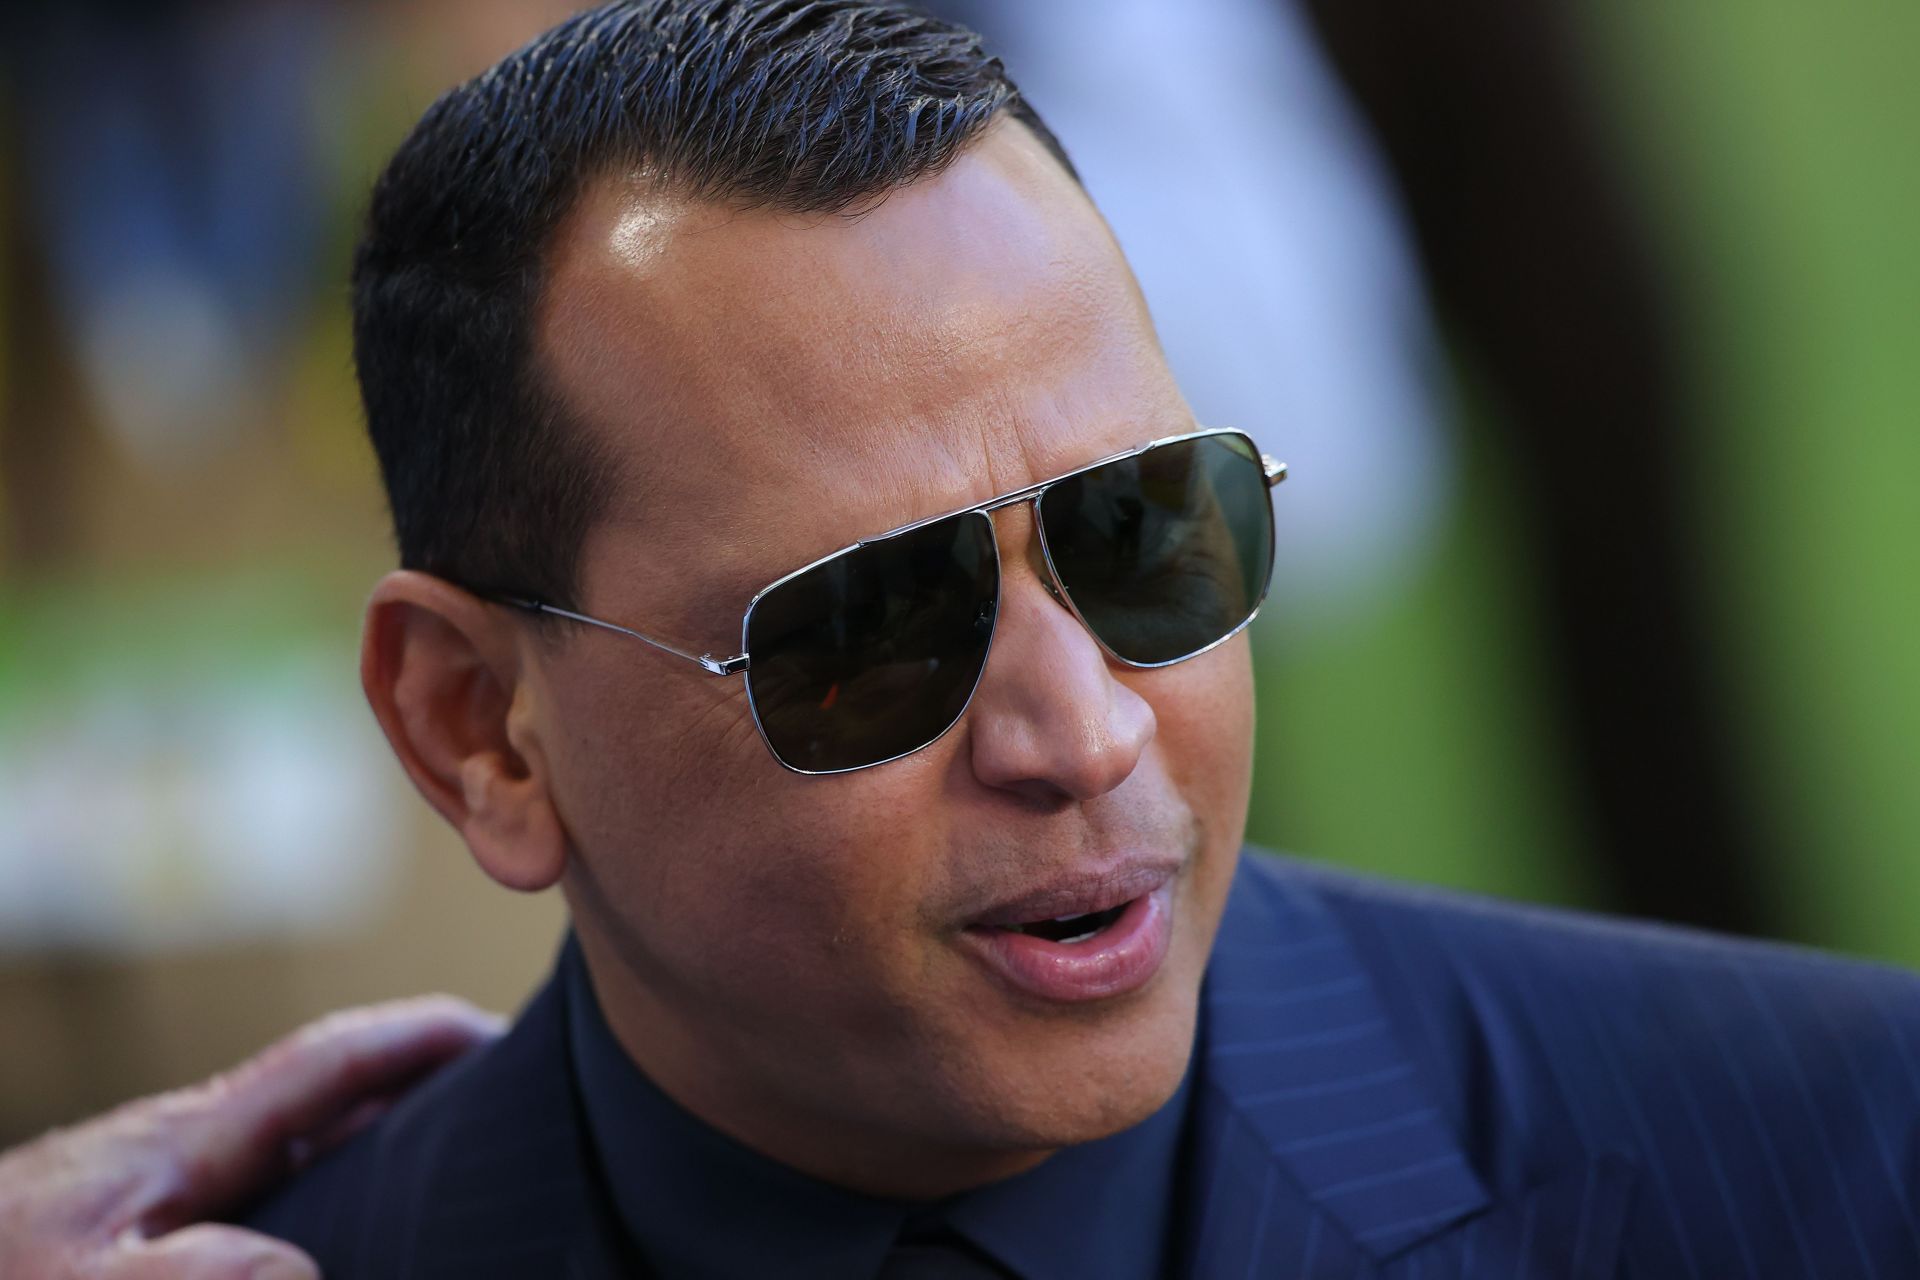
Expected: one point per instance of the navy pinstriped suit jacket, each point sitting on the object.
(1393, 1083)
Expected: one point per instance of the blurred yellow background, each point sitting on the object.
(203, 841)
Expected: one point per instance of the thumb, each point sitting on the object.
(208, 1252)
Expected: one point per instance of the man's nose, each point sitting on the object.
(1049, 719)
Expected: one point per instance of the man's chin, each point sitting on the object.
(1099, 1082)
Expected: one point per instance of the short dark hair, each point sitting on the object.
(806, 106)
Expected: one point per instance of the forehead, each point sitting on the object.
(773, 386)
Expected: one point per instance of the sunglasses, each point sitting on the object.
(873, 652)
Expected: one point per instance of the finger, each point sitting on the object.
(338, 1131)
(207, 1253)
(236, 1132)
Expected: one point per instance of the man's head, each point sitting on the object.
(798, 108)
(678, 299)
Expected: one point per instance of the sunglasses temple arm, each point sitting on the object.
(706, 661)
(1274, 469)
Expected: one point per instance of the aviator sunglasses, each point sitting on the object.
(874, 651)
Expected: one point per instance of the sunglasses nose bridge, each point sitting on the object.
(1049, 576)
(1038, 557)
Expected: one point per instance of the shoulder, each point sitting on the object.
(401, 1190)
(1750, 1080)
(351, 1207)
(1444, 940)
(1642, 994)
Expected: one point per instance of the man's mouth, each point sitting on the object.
(1081, 938)
(1073, 929)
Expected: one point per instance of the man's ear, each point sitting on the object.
(443, 671)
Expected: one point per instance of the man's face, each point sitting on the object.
(787, 954)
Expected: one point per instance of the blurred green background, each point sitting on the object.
(201, 838)
(1770, 144)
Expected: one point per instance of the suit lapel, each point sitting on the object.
(1318, 1150)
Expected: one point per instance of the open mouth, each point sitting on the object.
(1070, 929)
(1084, 955)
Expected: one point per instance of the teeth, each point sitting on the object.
(1055, 929)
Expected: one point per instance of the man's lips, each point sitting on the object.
(1120, 948)
(1077, 893)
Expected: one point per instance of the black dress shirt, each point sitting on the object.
(700, 1206)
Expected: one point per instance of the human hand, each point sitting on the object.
(123, 1196)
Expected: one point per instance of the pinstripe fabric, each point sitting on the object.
(1394, 1083)
(1743, 1109)
(1323, 1149)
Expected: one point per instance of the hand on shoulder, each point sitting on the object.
(126, 1195)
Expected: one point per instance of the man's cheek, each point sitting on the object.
(787, 896)
(1202, 726)
(1211, 714)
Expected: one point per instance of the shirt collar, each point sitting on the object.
(1099, 1211)
(702, 1205)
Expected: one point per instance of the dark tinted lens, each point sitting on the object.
(874, 653)
(1165, 552)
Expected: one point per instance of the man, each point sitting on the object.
(911, 931)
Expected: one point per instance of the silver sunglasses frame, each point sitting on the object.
(1273, 470)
